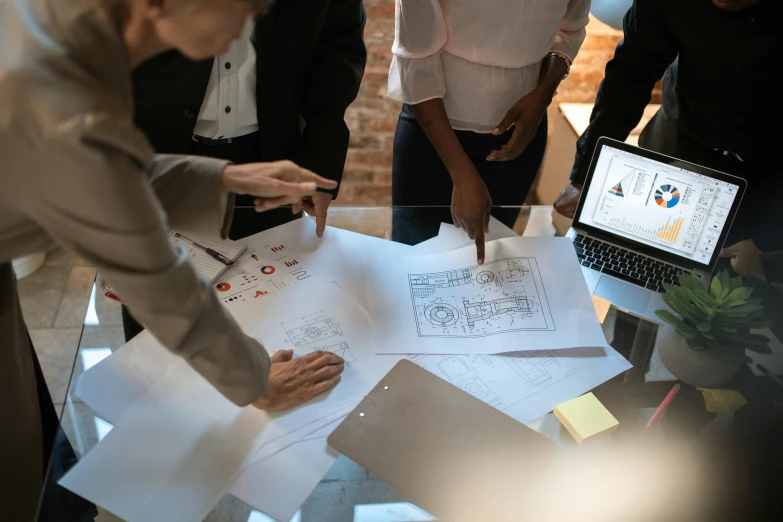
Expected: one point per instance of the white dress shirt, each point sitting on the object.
(229, 107)
(480, 56)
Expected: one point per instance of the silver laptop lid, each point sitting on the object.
(665, 207)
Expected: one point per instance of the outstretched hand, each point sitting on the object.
(316, 205)
(275, 184)
(471, 205)
(294, 381)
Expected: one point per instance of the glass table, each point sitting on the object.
(630, 464)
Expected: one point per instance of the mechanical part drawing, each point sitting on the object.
(310, 329)
(503, 381)
(506, 295)
(343, 351)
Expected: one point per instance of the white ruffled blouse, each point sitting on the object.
(480, 56)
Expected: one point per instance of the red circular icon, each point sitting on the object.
(223, 287)
(267, 269)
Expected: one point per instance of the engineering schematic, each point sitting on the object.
(506, 295)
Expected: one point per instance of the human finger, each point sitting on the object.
(264, 204)
(297, 207)
(326, 359)
(327, 372)
(304, 175)
(320, 225)
(324, 386)
(510, 117)
(480, 244)
(730, 251)
(281, 356)
(510, 150)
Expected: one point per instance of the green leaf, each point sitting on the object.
(729, 305)
(706, 326)
(760, 323)
(736, 282)
(759, 348)
(668, 317)
(687, 331)
(746, 309)
(715, 288)
(738, 294)
(691, 282)
(729, 329)
(725, 280)
(687, 310)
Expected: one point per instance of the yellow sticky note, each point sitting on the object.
(585, 417)
(601, 307)
(722, 400)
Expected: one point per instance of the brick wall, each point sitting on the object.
(372, 118)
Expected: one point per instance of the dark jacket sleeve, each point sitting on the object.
(642, 56)
(338, 67)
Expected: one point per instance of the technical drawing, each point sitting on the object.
(441, 314)
(343, 351)
(500, 296)
(476, 387)
(453, 367)
(485, 310)
(310, 328)
(485, 277)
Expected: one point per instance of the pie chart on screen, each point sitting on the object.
(667, 196)
(223, 287)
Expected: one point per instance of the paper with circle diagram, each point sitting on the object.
(529, 295)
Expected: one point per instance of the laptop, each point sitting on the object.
(645, 218)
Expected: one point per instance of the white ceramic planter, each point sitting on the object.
(710, 368)
(28, 265)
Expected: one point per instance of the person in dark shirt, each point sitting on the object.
(721, 107)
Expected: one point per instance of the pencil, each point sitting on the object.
(656, 417)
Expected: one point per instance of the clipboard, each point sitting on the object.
(454, 455)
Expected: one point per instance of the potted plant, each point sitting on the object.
(714, 329)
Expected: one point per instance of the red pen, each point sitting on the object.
(656, 417)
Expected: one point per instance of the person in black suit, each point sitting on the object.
(279, 93)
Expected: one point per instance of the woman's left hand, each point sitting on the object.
(526, 115)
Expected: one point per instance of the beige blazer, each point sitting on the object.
(75, 171)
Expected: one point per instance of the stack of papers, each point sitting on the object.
(519, 332)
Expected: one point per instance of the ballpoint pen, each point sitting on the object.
(213, 253)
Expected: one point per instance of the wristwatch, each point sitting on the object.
(564, 57)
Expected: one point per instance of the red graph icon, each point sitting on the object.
(259, 293)
(277, 249)
(255, 257)
(223, 287)
(267, 270)
(291, 263)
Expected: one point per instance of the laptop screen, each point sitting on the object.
(660, 205)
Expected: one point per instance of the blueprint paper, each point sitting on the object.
(172, 455)
(114, 385)
(529, 295)
(277, 482)
(339, 255)
(526, 385)
(497, 230)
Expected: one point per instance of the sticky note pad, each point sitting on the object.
(722, 400)
(601, 307)
(585, 417)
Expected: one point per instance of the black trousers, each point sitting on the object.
(419, 177)
(245, 149)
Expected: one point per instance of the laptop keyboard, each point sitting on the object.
(624, 264)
